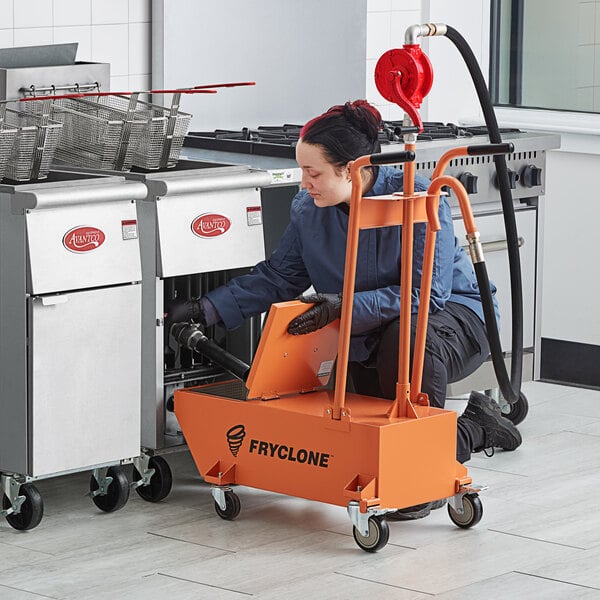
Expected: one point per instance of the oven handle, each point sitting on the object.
(497, 246)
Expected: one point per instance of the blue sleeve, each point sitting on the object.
(282, 276)
(375, 308)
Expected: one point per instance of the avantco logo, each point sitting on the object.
(210, 225)
(83, 239)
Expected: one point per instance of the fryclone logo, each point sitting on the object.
(283, 452)
(235, 438)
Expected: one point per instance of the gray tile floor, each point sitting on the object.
(539, 536)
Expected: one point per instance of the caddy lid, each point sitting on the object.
(285, 363)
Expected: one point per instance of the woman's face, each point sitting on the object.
(328, 185)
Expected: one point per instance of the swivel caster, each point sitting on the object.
(109, 488)
(227, 503)
(22, 505)
(379, 533)
(154, 487)
(471, 513)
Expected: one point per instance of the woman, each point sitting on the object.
(311, 252)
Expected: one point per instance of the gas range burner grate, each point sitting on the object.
(280, 140)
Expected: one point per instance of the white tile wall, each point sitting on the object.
(7, 11)
(67, 12)
(108, 12)
(387, 21)
(113, 31)
(32, 13)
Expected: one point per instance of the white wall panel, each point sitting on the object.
(304, 56)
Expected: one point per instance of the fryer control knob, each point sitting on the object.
(531, 176)
(513, 177)
(469, 181)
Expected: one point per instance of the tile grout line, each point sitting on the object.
(168, 537)
(527, 537)
(218, 587)
(589, 587)
(397, 587)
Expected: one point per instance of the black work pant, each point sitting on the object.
(456, 346)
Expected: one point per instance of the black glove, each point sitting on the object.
(327, 308)
(181, 310)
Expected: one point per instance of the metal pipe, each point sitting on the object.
(426, 30)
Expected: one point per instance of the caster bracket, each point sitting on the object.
(104, 480)
(141, 463)
(359, 519)
(218, 493)
(11, 486)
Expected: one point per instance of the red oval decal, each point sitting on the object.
(83, 239)
(210, 225)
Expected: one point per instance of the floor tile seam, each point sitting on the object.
(204, 584)
(536, 539)
(26, 549)
(498, 471)
(176, 539)
(11, 587)
(594, 435)
(579, 585)
(391, 585)
(389, 543)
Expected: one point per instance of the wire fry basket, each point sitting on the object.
(28, 144)
(157, 144)
(95, 134)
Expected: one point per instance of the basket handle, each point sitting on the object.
(218, 85)
(61, 97)
(183, 91)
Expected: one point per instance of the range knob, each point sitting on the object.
(513, 177)
(531, 176)
(469, 181)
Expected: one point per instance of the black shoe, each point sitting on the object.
(499, 432)
(419, 511)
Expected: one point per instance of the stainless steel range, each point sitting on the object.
(272, 148)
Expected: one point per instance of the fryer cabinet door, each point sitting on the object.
(84, 379)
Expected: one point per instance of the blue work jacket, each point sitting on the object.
(312, 251)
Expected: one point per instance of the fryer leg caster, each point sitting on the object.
(371, 531)
(465, 509)
(227, 502)
(109, 488)
(152, 477)
(22, 504)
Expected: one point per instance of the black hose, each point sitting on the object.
(510, 388)
(192, 337)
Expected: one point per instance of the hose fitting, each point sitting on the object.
(475, 247)
(425, 30)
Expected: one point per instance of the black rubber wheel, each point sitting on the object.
(232, 506)
(117, 493)
(518, 411)
(32, 509)
(379, 534)
(473, 511)
(161, 481)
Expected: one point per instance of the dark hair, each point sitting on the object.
(345, 131)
